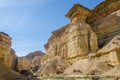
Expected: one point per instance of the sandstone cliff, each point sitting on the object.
(90, 35)
(7, 55)
(55, 66)
(8, 74)
(104, 19)
(23, 64)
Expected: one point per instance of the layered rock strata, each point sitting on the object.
(90, 36)
(74, 40)
(104, 19)
(7, 55)
(23, 64)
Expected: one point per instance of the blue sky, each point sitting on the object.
(30, 22)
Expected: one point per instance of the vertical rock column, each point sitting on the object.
(82, 39)
(5, 47)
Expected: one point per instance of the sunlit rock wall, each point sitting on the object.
(105, 20)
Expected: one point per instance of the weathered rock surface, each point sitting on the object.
(108, 28)
(8, 74)
(109, 53)
(76, 43)
(74, 40)
(32, 55)
(13, 59)
(23, 64)
(113, 72)
(102, 10)
(87, 67)
(55, 66)
(35, 58)
(7, 55)
(90, 42)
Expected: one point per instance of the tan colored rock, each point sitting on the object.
(108, 28)
(23, 64)
(32, 55)
(102, 10)
(5, 48)
(55, 66)
(36, 61)
(8, 74)
(72, 41)
(57, 44)
(113, 72)
(87, 67)
(78, 41)
(109, 53)
(13, 59)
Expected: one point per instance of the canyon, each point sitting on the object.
(87, 46)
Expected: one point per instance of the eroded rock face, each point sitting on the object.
(7, 55)
(23, 64)
(82, 40)
(8, 74)
(114, 71)
(102, 10)
(35, 59)
(90, 42)
(55, 66)
(88, 67)
(108, 28)
(74, 40)
(32, 55)
(13, 59)
(110, 52)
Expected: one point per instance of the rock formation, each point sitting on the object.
(82, 39)
(13, 59)
(32, 55)
(87, 67)
(90, 36)
(23, 64)
(109, 53)
(55, 66)
(88, 45)
(104, 19)
(35, 58)
(8, 74)
(74, 40)
(7, 55)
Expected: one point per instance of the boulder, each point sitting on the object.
(55, 66)
(86, 67)
(114, 71)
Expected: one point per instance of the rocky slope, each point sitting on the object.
(89, 43)
(8, 74)
(32, 55)
(55, 66)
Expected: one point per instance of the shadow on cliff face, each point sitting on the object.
(7, 74)
(28, 74)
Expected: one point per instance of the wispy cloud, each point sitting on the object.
(9, 23)
(11, 3)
